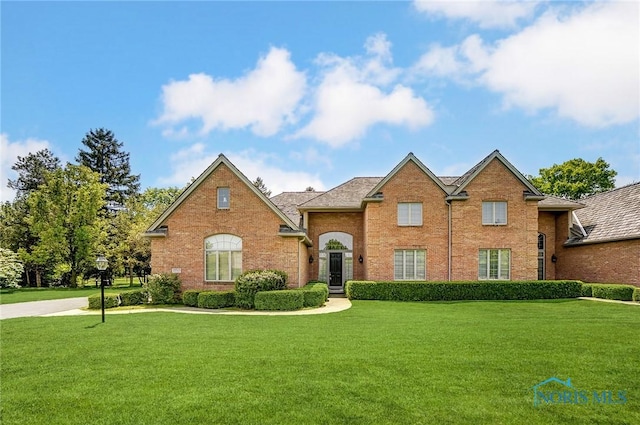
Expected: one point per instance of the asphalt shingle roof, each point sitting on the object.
(613, 215)
(347, 195)
(551, 202)
(288, 202)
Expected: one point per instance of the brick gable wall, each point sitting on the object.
(248, 217)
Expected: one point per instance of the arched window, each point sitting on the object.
(223, 258)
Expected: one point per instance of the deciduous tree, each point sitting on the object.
(576, 178)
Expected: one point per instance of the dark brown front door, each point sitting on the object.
(335, 269)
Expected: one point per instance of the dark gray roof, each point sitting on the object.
(609, 216)
(448, 180)
(346, 196)
(288, 202)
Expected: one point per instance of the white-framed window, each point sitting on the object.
(494, 264)
(409, 214)
(410, 264)
(223, 198)
(223, 258)
(494, 212)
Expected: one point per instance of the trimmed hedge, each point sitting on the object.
(636, 294)
(251, 282)
(216, 299)
(451, 291)
(110, 301)
(587, 290)
(286, 299)
(315, 294)
(134, 297)
(612, 292)
(190, 298)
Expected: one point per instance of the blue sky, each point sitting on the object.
(315, 93)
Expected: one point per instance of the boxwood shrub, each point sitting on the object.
(251, 282)
(288, 299)
(587, 290)
(612, 292)
(110, 301)
(134, 297)
(190, 298)
(474, 290)
(315, 294)
(216, 299)
(636, 294)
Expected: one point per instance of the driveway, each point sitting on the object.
(40, 308)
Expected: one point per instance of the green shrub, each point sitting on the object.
(315, 294)
(216, 299)
(613, 292)
(475, 290)
(190, 298)
(164, 288)
(110, 301)
(135, 297)
(636, 295)
(279, 300)
(586, 290)
(252, 282)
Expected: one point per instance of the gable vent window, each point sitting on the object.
(223, 198)
(409, 214)
(494, 213)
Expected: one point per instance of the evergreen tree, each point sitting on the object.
(104, 155)
(31, 171)
(259, 183)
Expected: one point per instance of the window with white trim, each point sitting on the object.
(494, 264)
(223, 258)
(494, 213)
(410, 264)
(409, 214)
(223, 198)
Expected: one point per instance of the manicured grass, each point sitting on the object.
(40, 294)
(377, 363)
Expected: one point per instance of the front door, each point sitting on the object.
(335, 269)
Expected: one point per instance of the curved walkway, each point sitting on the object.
(334, 305)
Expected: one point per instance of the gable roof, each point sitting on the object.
(154, 228)
(288, 202)
(409, 158)
(348, 195)
(609, 216)
(556, 203)
(467, 177)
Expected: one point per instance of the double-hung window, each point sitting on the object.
(410, 214)
(223, 258)
(494, 213)
(410, 264)
(494, 264)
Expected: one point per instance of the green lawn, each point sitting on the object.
(40, 294)
(377, 363)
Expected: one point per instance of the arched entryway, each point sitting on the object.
(335, 265)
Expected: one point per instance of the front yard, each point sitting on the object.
(377, 363)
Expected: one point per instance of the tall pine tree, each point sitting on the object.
(105, 156)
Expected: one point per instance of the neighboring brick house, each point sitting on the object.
(490, 223)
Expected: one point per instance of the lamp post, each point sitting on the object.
(101, 264)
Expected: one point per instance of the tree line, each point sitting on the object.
(62, 216)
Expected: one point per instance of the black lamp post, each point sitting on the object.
(101, 264)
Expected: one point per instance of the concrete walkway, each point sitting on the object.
(334, 305)
(41, 308)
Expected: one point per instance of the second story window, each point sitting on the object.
(494, 213)
(223, 198)
(409, 214)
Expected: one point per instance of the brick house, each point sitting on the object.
(490, 223)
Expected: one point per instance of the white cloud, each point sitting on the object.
(263, 100)
(584, 65)
(10, 153)
(191, 162)
(351, 97)
(487, 14)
